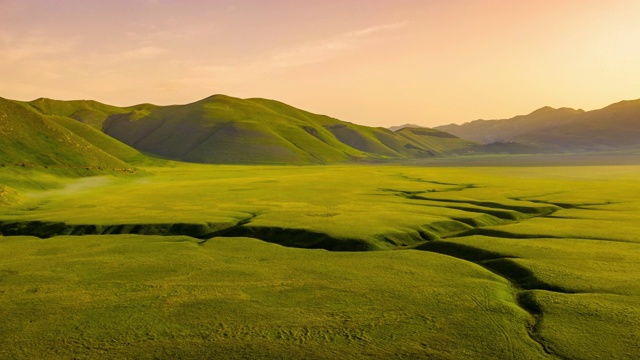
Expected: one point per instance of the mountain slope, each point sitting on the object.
(223, 129)
(614, 127)
(106, 143)
(89, 112)
(85, 118)
(489, 131)
(436, 140)
(27, 137)
(400, 127)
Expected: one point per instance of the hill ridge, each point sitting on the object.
(563, 129)
(224, 129)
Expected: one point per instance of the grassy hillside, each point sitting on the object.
(106, 143)
(612, 128)
(436, 140)
(400, 127)
(222, 129)
(30, 139)
(89, 112)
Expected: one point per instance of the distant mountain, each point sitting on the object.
(439, 142)
(614, 127)
(400, 127)
(223, 129)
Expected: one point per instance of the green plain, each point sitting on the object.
(187, 262)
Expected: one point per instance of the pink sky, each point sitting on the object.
(373, 62)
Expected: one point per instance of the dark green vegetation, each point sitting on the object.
(479, 263)
(614, 127)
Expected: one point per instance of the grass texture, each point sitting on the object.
(186, 262)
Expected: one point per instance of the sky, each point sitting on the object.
(371, 62)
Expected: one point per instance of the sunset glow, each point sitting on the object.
(375, 62)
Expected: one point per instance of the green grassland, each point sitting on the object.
(156, 297)
(230, 261)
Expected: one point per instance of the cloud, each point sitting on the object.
(197, 73)
(139, 53)
(376, 29)
(14, 49)
(328, 48)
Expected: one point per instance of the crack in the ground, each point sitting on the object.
(564, 205)
(523, 209)
(299, 238)
(48, 229)
(466, 186)
(495, 233)
(521, 279)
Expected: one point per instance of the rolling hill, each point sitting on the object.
(217, 129)
(614, 127)
(29, 138)
(223, 129)
(400, 127)
(89, 112)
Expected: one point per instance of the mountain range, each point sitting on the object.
(218, 129)
(223, 129)
(615, 127)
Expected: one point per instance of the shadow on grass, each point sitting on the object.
(498, 263)
(299, 238)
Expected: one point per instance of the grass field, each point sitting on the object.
(186, 262)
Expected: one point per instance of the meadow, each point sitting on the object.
(321, 262)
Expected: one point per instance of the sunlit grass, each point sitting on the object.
(148, 297)
(510, 262)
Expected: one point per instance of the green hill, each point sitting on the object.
(106, 143)
(30, 139)
(84, 118)
(615, 127)
(89, 112)
(223, 129)
(436, 140)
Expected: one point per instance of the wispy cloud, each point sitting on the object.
(376, 29)
(15, 49)
(140, 53)
(274, 62)
(328, 48)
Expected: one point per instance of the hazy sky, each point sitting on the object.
(373, 62)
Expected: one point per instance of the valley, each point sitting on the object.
(321, 180)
